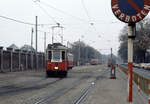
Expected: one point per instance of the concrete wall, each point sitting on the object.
(17, 60)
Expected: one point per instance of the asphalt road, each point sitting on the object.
(32, 87)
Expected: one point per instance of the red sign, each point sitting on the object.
(130, 10)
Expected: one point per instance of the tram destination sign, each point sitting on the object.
(130, 11)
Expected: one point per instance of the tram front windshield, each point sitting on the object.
(56, 55)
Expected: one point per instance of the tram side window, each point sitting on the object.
(63, 55)
(49, 55)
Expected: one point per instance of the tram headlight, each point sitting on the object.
(56, 68)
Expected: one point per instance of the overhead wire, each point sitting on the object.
(52, 18)
(15, 20)
(63, 12)
(21, 22)
(88, 15)
(85, 9)
(37, 2)
(42, 24)
(28, 23)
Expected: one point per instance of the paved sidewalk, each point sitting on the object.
(112, 91)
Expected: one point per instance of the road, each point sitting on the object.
(32, 87)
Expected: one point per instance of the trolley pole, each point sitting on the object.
(60, 27)
(131, 36)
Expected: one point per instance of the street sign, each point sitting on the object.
(130, 11)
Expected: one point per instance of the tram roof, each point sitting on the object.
(57, 46)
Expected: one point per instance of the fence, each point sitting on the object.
(18, 60)
(142, 82)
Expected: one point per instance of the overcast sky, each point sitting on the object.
(91, 21)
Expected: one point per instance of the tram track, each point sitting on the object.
(87, 91)
(60, 91)
(15, 89)
(67, 88)
(37, 89)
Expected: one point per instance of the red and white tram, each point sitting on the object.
(57, 60)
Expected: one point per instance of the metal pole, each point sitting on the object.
(131, 36)
(31, 39)
(31, 54)
(1, 50)
(101, 59)
(26, 60)
(44, 41)
(111, 63)
(86, 55)
(11, 60)
(111, 55)
(79, 54)
(19, 53)
(36, 42)
(44, 56)
(52, 35)
(67, 44)
(36, 32)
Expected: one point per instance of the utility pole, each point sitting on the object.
(79, 54)
(67, 44)
(31, 57)
(111, 56)
(36, 32)
(32, 38)
(44, 41)
(86, 54)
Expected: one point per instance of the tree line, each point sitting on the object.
(141, 45)
(83, 53)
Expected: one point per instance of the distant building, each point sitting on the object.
(27, 48)
(13, 46)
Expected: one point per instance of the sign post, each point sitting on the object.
(130, 11)
(131, 36)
